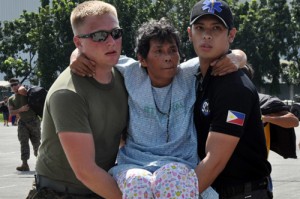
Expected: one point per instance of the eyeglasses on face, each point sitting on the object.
(102, 35)
(13, 84)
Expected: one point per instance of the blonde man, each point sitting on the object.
(84, 117)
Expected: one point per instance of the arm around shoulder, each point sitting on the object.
(229, 63)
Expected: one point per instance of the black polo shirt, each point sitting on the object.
(229, 104)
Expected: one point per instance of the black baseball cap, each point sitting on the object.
(217, 8)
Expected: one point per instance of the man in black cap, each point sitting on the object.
(231, 142)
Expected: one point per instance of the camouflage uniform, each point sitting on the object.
(29, 130)
(29, 127)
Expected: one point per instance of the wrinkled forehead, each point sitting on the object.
(163, 41)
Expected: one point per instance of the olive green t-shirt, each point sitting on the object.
(17, 101)
(81, 104)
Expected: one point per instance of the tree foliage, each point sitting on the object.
(37, 45)
(291, 70)
(55, 40)
(266, 35)
(15, 41)
(40, 43)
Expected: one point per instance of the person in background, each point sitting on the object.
(278, 122)
(231, 142)
(14, 120)
(28, 124)
(4, 110)
(84, 118)
(284, 118)
(279, 125)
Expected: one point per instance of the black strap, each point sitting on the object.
(246, 188)
(45, 182)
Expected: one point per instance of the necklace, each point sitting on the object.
(164, 113)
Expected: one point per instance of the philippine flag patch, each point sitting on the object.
(234, 117)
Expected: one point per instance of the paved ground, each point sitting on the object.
(15, 185)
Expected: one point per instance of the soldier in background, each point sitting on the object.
(29, 127)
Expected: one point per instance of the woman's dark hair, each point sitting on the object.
(161, 31)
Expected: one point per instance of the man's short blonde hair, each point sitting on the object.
(90, 8)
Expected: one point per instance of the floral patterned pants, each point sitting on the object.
(173, 180)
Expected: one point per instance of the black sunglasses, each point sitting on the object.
(13, 84)
(102, 35)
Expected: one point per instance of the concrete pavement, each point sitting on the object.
(15, 185)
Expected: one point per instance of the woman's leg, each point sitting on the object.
(135, 183)
(175, 180)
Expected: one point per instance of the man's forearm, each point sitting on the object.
(100, 182)
(14, 112)
(207, 171)
(285, 121)
(219, 148)
(19, 110)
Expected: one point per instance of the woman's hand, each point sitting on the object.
(229, 63)
(81, 65)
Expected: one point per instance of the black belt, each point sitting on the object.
(44, 182)
(245, 188)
